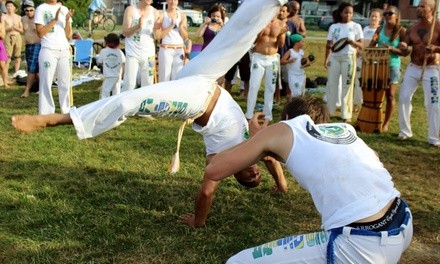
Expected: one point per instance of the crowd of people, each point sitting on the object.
(364, 219)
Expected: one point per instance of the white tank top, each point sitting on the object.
(173, 37)
(141, 43)
(344, 176)
(294, 68)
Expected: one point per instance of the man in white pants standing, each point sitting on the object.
(138, 28)
(415, 36)
(54, 27)
(173, 31)
(265, 61)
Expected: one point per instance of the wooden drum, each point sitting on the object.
(374, 81)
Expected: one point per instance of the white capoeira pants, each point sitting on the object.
(234, 40)
(54, 62)
(110, 85)
(144, 66)
(340, 65)
(312, 248)
(171, 61)
(269, 67)
(431, 91)
(185, 97)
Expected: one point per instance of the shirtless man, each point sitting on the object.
(295, 18)
(266, 61)
(14, 29)
(194, 95)
(33, 45)
(417, 36)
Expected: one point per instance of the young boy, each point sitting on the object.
(295, 65)
(112, 59)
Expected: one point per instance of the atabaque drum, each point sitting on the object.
(374, 80)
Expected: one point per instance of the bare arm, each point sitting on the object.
(127, 28)
(68, 28)
(183, 27)
(302, 28)
(43, 30)
(203, 27)
(285, 59)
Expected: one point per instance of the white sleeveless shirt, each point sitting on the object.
(344, 176)
(173, 37)
(141, 43)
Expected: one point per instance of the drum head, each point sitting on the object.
(339, 45)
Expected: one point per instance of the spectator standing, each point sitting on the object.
(342, 62)
(112, 60)
(13, 40)
(173, 32)
(375, 18)
(3, 54)
(138, 26)
(295, 61)
(213, 23)
(389, 36)
(286, 11)
(54, 27)
(33, 46)
(95, 7)
(295, 18)
(266, 62)
(417, 36)
(211, 26)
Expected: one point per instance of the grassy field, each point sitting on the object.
(111, 200)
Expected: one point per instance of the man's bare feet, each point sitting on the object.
(27, 123)
(24, 94)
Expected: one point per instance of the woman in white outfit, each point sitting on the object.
(173, 32)
(342, 63)
(138, 27)
(54, 26)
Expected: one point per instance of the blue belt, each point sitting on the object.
(335, 232)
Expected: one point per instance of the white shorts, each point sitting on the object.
(226, 127)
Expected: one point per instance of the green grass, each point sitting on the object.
(111, 200)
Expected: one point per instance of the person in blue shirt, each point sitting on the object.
(95, 7)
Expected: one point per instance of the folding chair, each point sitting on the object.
(83, 52)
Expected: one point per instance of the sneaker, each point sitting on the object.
(435, 145)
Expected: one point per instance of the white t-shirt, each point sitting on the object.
(56, 37)
(369, 33)
(350, 30)
(343, 175)
(111, 60)
(294, 68)
(141, 43)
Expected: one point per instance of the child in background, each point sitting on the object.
(294, 58)
(112, 60)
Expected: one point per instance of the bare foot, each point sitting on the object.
(385, 127)
(24, 94)
(27, 123)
